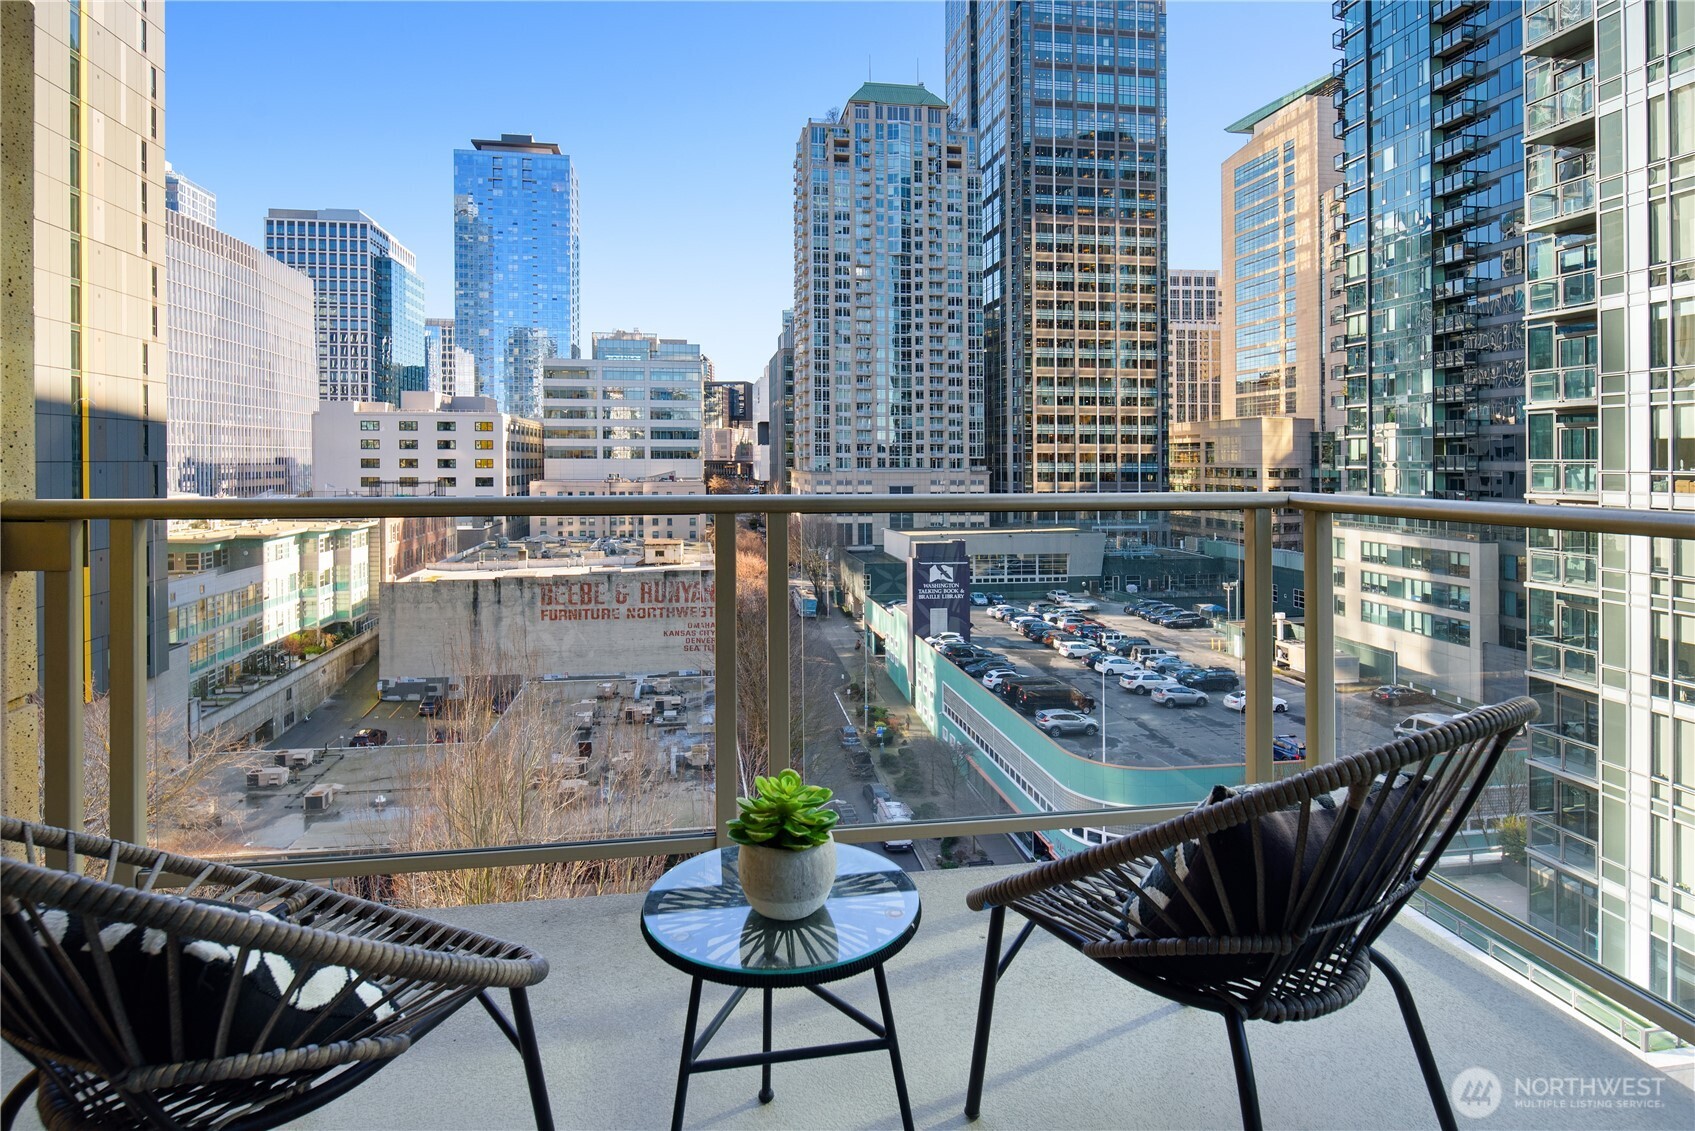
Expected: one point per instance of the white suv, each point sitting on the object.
(1145, 683)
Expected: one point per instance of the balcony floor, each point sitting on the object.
(1073, 1047)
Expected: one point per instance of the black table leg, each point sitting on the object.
(765, 1093)
(688, 1056)
(894, 1048)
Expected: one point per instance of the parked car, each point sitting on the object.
(1059, 638)
(1179, 696)
(369, 736)
(846, 812)
(1124, 646)
(996, 676)
(942, 638)
(1082, 605)
(1036, 695)
(876, 791)
(1216, 679)
(979, 598)
(1396, 695)
(1087, 659)
(1059, 596)
(890, 811)
(850, 738)
(1186, 620)
(1075, 648)
(1108, 664)
(996, 599)
(1168, 665)
(1001, 612)
(1421, 722)
(429, 706)
(1287, 748)
(1146, 654)
(1144, 682)
(1057, 722)
(978, 667)
(1154, 612)
(1238, 701)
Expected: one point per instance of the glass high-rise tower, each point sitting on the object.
(369, 301)
(1433, 175)
(1068, 101)
(515, 264)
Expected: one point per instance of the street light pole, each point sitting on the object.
(1103, 716)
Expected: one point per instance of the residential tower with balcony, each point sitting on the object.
(888, 357)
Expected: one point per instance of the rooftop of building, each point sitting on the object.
(1245, 125)
(551, 557)
(897, 94)
(515, 143)
(206, 532)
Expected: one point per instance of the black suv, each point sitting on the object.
(1210, 679)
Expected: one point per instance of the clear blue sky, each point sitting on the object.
(682, 119)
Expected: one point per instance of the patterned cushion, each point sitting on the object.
(139, 960)
(1185, 894)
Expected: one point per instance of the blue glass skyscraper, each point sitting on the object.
(369, 301)
(515, 264)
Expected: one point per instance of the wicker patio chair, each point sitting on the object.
(160, 990)
(1263, 904)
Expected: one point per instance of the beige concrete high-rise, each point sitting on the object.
(82, 129)
(1271, 287)
(1194, 356)
(888, 306)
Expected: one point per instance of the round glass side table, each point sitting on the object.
(697, 919)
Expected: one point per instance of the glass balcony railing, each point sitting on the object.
(1545, 206)
(1555, 28)
(1576, 383)
(584, 692)
(1562, 115)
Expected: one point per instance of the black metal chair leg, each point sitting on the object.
(16, 1098)
(1247, 1090)
(985, 1011)
(689, 1027)
(527, 1049)
(1421, 1042)
(894, 1048)
(765, 1093)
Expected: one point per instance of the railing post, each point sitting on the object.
(726, 757)
(1257, 648)
(777, 665)
(1317, 562)
(127, 673)
(61, 681)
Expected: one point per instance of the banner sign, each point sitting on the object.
(938, 585)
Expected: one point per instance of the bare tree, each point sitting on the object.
(182, 789)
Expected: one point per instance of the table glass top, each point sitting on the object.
(698, 913)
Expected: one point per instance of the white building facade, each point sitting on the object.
(242, 369)
(461, 447)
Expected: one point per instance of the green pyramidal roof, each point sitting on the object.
(1246, 125)
(896, 94)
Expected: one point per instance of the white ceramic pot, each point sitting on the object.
(783, 884)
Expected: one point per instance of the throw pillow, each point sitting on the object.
(1197, 891)
(139, 964)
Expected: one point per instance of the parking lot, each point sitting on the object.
(1135, 731)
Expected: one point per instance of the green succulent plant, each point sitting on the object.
(784, 812)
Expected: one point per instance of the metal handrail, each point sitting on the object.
(1604, 520)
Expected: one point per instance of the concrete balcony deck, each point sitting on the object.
(1073, 1046)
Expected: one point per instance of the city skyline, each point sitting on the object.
(726, 258)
